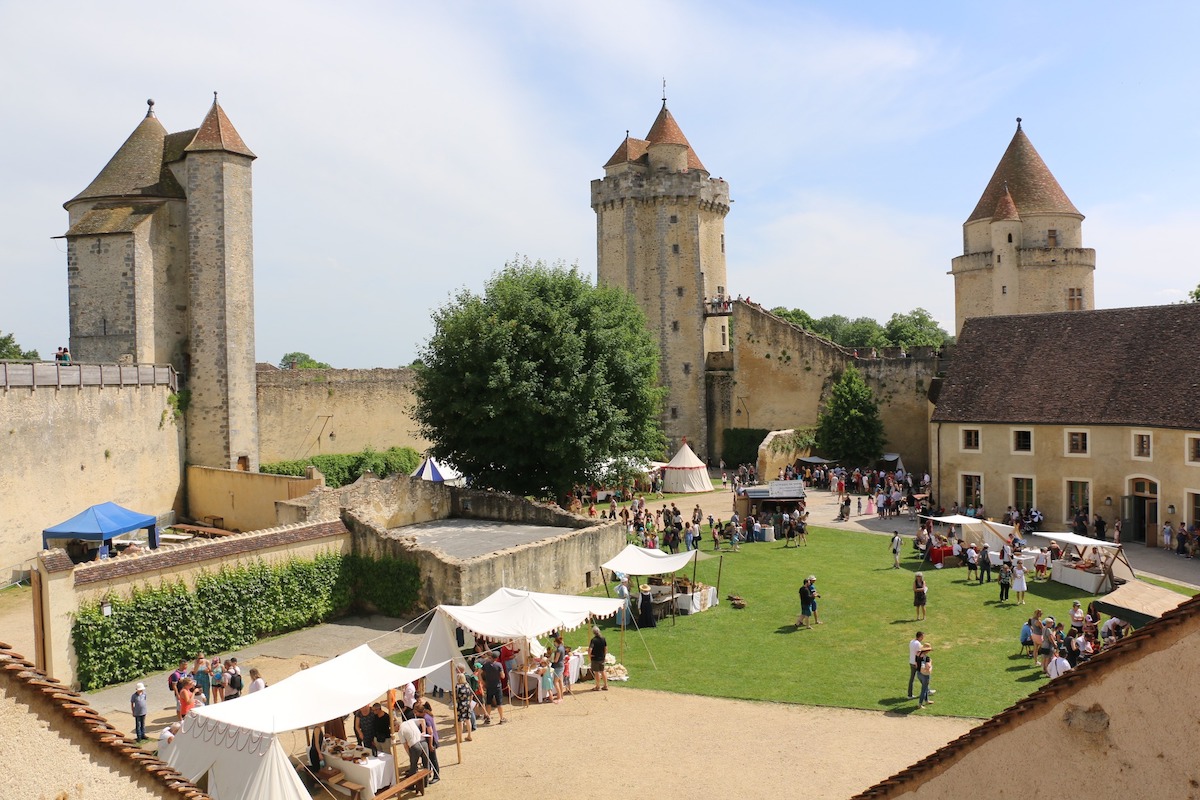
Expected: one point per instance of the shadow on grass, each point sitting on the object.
(896, 701)
(789, 629)
(1033, 676)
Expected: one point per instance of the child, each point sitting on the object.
(546, 676)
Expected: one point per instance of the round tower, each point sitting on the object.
(1023, 244)
(660, 235)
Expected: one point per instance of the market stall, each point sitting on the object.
(678, 595)
(235, 746)
(1092, 565)
(1139, 603)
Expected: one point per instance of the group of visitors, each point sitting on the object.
(1183, 540)
(63, 356)
(376, 728)
(193, 684)
(1058, 647)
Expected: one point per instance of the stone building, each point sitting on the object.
(1023, 247)
(160, 270)
(1074, 410)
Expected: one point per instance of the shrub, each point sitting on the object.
(343, 469)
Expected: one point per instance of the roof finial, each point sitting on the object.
(149, 108)
(214, 98)
(664, 91)
(1018, 123)
(627, 133)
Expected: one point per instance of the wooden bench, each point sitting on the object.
(330, 775)
(416, 781)
(355, 789)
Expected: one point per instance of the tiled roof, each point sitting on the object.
(218, 133)
(1165, 630)
(1006, 209)
(1033, 188)
(78, 721)
(113, 219)
(630, 150)
(137, 169)
(665, 130)
(1121, 366)
(197, 550)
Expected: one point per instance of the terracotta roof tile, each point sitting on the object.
(195, 551)
(218, 133)
(1107, 661)
(1033, 187)
(666, 130)
(1110, 367)
(84, 722)
(57, 560)
(630, 150)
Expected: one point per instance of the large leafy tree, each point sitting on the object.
(9, 349)
(914, 329)
(849, 428)
(302, 361)
(917, 328)
(533, 385)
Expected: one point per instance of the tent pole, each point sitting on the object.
(638, 628)
(603, 578)
(458, 724)
(720, 564)
(672, 598)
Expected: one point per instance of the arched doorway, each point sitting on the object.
(1139, 512)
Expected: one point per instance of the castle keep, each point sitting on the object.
(160, 269)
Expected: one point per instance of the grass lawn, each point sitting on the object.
(858, 657)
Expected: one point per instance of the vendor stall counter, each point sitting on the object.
(1093, 582)
(374, 774)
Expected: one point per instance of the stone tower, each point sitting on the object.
(660, 234)
(1023, 244)
(160, 269)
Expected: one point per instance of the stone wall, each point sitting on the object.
(783, 374)
(63, 450)
(307, 412)
(241, 501)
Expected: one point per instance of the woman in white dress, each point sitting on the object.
(1019, 582)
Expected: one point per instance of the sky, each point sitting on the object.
(407, 150)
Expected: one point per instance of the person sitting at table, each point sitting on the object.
(921, 542)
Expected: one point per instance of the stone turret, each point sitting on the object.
(660, 234)
(1023, 244)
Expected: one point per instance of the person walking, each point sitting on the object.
(1019, 583)
(493, 673)
(924, 673)
(897, 546)
(1004, 577)
(914, 647)
(920, 594)
(985, 564)
(806, 603)
(972, 557)
(139, 706)
(598, 649)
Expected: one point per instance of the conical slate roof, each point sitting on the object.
(1033, 188)
(218, 133)
(137, 168)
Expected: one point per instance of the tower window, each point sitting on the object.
(687, 369)
(675, 249)
(723, 342)
(998, 259)
(675, 325)
(674, 219)
(1010, 238)
(679, 291)
(1052, 238)
(1074, 299)
(674, 412)
(722, 243)
(1003, 290)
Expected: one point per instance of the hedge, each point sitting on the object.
(343, 469)
(155, 627)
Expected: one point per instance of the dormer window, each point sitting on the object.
(1052, 238)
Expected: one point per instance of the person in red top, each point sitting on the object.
(187, 696)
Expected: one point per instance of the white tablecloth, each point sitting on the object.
(692, 603)
(523, 683)
(374, 775)
(1080, 579)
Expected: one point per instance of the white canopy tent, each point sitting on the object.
(634, 560)
(1112, 558)
(505, 615)
(686, 473)
(434, 470)
(236, 743)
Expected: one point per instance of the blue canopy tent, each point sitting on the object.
(431, 470)
(101, 524)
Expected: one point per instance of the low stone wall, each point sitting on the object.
(66, 586)
(241, 501)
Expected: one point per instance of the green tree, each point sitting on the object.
(796, 316)
(1194, 295)
(832, 327)
(302, 361)
(863, 332)
(529, 387)
(9, 349)
(849, 428)
(917, 328)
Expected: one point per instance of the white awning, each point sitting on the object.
(634, 560)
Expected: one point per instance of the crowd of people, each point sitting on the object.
(193, 684)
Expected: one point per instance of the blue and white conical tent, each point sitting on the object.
(431, 470)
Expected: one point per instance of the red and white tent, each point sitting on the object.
(686, 473)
